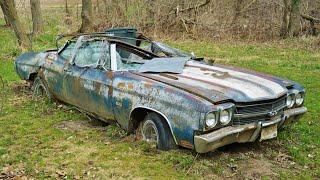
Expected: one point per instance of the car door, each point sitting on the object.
(124, 59)
(54, 70)
(86, 80)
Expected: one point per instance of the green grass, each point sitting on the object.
(42, 140)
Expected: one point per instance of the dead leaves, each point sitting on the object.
(284, 160)
(15, 173)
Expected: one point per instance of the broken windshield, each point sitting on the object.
(129, 60)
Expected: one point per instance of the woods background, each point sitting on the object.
(210, 19)
(41, 140)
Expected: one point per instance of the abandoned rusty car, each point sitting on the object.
(170, 97)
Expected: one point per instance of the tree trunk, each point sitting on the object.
(36, 16)
(86, 16)
(295, 18)
(235, 23)
(9, 9)
(67, 7)
(291, 18)
(7, 21)
(5, 17)
(285, 19)
(98, 8)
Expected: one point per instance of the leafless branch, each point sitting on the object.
(247, 6)
(310, 18)
(190, 8)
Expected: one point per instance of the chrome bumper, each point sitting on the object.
(242, 133)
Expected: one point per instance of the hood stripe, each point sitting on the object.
(212, 83)
(236, 79)
(210, 96)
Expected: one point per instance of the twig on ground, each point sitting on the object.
(2, 85)
(195, 158)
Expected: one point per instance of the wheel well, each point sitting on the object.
(138, 115)
(32, 76)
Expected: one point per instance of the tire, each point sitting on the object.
(40, 89)
(162, 135)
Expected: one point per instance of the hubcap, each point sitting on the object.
(149, 132)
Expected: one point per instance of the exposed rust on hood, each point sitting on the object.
(130, 86)
(190, 89)
(147, 85)
(121, 85)
(169, 76)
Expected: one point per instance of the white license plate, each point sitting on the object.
(269, 132)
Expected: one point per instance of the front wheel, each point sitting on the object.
(40, 89)
(154, 129)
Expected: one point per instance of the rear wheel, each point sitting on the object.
(154, 129)
(40, 89)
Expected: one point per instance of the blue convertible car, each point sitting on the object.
(169, 96)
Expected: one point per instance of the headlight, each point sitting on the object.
(225, 117)
(211, 120)
(299, 99)
(290, 100)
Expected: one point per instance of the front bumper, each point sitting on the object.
(244, 133)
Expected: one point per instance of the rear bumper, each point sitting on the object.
(243, 133)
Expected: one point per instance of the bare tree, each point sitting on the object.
(98, 7)
(285, 19)
(67, 7)
(86, 16)
(295, 18)
(5, 18)
(36, 16)
(291, 18)
(235, 20)
(8, 8)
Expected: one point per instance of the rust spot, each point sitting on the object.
(186, 144)
(221, 75)
(121, 85)
(41, 74)
(204, 69)
(169, 76)
(109, 74)
(130, 86)
(148, 85)
(97, 87)
(110, 90)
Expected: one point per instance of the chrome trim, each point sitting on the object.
(113, 57)
(240, 133)
(256, 114)
(264, 103)
(165, 117)
(296, 111)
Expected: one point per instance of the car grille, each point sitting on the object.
(253, 112)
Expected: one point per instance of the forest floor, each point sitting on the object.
(40, 139)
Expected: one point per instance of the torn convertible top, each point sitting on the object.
(164, 65)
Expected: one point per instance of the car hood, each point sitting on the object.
(219, 83)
